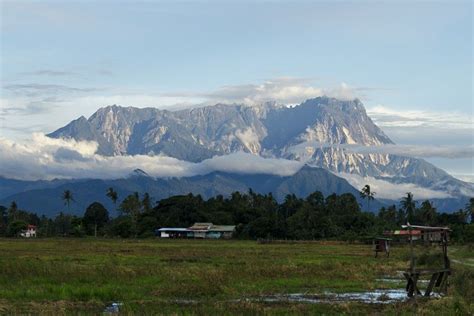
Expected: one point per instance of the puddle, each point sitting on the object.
(389, 279)
(370, 297)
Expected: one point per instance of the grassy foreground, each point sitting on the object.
(64, 276)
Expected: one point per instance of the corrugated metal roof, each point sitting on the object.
(173, 229)
(427, 228)
(201, 226)
(222, 228)
(407, 232)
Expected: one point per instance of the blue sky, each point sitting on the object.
(63, 59)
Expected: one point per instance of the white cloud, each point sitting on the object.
(284, 90)
(464, 177)
(420, 151)
(46, 158)
(417, 151)
(387, 190)
(388, 117)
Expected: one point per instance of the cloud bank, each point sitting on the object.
(284, 90)
(46, 158)
(416, 151)
(394, 191)
(387, 117)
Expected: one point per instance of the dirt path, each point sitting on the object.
(464, 263)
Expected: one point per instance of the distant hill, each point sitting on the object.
(45, 197)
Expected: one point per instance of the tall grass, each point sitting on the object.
(62, 275)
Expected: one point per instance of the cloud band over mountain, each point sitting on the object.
(47, 158)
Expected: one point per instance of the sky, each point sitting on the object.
(410, 62)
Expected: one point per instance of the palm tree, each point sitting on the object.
(427, 213)
(367, 193)
(408, 204)
(67, 198)
(112, 194)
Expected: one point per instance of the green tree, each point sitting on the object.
(408, 204)
(15, 227)
(131, 206)
(95, 217)
(389, 216)
(367, 193)
(146, 203)
(63, 224)
(13, 212)
(67, 198)
(426, 214)
(3, 220)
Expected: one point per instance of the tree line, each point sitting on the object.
(255, 216)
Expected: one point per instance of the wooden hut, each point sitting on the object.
(439, 276)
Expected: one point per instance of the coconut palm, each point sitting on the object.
(112, 194)
(408, 204)
(367, 193)
(67, 198)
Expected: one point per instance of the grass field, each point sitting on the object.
(149, 276)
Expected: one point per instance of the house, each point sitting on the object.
(198, 230)
(221, 231)
(168, 232)
(29, 232)
(422, 233)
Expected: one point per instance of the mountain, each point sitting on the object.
(317, 132)
(48, 201)
(200, 133)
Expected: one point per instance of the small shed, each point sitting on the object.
(439, 275)
(381, 244)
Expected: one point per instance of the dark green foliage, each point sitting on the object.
(95, 218)
(469, 233)
(121, 227)
(255, 216)
(464, 283)
(3, 220)
(408, 205)
(15, 227)
(132, 207)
